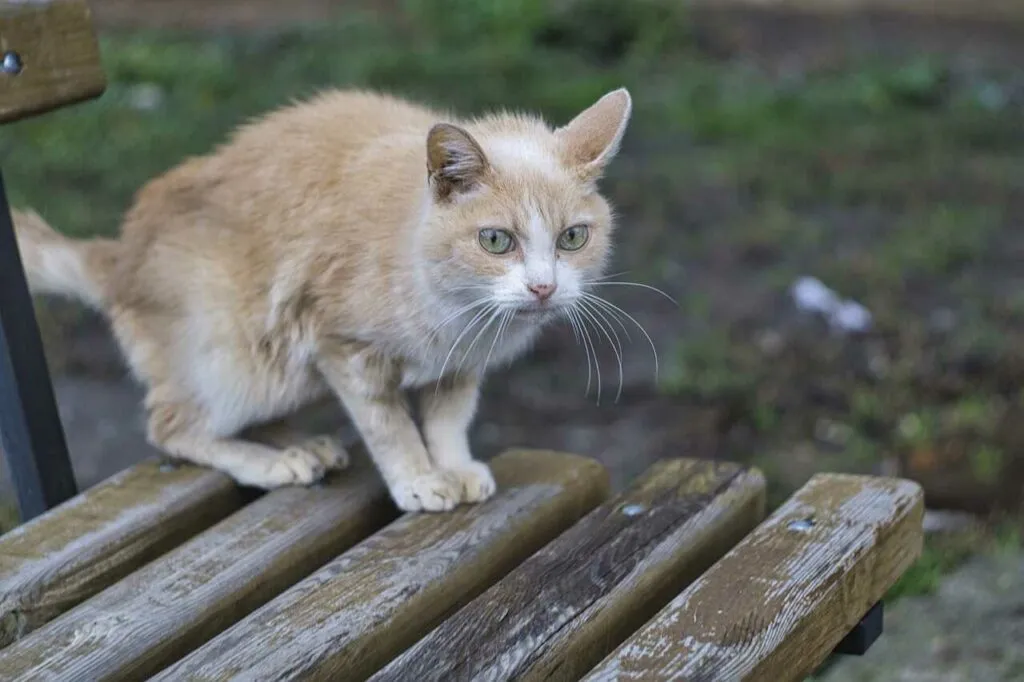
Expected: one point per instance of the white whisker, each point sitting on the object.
(574, 320)
(614, 315)
(597, 283)
(469, 325)
(588, 341)
(608, 305)
(453, 316)
(604, 278)
(495, 313)
(601, 322)
(506, 318)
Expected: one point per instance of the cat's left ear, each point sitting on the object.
(592, 139)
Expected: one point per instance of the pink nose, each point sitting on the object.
(542, 291)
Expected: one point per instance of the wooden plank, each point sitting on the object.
(165, 609)
(60, 59)
(57, 560)
(562, 610)
(358, 612)
(776, 605)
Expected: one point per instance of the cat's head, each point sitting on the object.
(515, 217)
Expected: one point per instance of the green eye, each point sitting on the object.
(496, 241)
(573, 238)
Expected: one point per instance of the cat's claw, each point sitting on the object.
(433, 492)
(476, 480)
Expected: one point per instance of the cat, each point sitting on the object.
(357, 245)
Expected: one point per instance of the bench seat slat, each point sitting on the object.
(362, 609)
(59, 51)
(777, 605)
(561, 611)
(58, 560)
(160, 612)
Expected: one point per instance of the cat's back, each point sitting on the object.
(279, 193)
(290, 164)
(321, 135)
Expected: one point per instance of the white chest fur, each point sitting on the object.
(476, 351)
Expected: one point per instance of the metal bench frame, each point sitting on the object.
(49, 58)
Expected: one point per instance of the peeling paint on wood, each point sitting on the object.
(55, 42)
(776, 605)
(355, 614)
(94, 539)
(561, 611)
(157, 614)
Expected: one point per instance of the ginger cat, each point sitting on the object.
(355, 245)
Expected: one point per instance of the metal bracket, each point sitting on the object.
(863, 634)
(30, 429)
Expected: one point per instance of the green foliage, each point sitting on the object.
(942, 554)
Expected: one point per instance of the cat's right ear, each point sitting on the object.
(455, 162)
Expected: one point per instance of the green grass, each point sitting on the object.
(943, 554)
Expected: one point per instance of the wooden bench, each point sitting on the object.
(174, 573)
(673, 579)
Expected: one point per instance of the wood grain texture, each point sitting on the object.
(167, 608)
(362, 609)
(94, 539)
(59, 51)
(561, 611)
(775, 606)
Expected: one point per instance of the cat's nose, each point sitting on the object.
(542, 291)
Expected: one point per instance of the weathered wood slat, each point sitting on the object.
(57, 48)
(157, 614)
(359, 611)
(93, 540)
(562, 610)
(776, 605)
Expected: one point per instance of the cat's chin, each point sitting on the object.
(537, 315)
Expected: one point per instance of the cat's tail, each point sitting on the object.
(56, 264)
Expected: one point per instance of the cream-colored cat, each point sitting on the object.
(357, 245)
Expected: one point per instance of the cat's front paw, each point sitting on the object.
(433, 492)
(476, 481)
(327, 449)
(290, 467)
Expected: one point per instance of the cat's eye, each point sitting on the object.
(496, 241)
(573, 238)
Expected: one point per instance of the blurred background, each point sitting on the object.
(833, 193)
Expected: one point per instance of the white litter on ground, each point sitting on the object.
(811, 296)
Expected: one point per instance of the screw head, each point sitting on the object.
(801, 525)
(12, 63)
(634, 509)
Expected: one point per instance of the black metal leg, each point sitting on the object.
(30, 428)
(864, 634)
